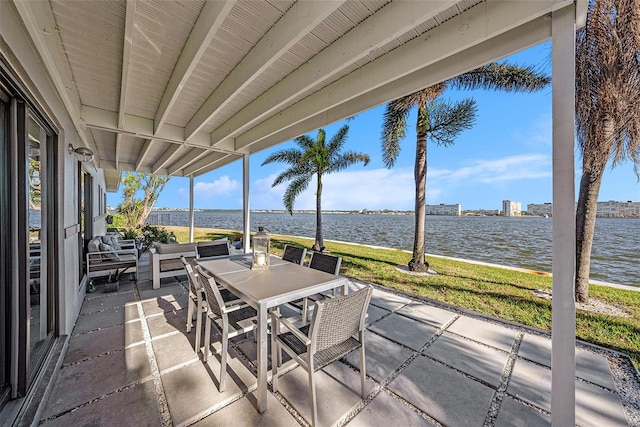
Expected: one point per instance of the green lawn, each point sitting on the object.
(498, 292)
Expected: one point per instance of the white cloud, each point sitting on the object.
(223, 186)
(370, 189)
(395, 189)
(524, 166)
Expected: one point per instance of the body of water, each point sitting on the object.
(514, 241)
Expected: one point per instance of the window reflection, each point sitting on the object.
(39, 326)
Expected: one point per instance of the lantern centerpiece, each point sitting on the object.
(261, 250)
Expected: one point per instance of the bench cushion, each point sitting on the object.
(110, 252)
(174, 248)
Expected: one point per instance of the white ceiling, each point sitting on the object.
(183, 87)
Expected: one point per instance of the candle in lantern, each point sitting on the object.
(261, 259)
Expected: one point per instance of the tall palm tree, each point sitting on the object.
(607, 111)
(313, 157)
(442, 123)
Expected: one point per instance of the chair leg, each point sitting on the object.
(223, 361)
(199, 325)
(189, 314)
(275, 361)
(207, 339)
(363, 371)
(305, 308)
(312, 391)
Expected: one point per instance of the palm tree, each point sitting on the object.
(313, 157)
(442, 123)
(607, 111)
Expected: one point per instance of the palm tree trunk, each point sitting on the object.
(417, 263)
(319, 243)
(585, 227)
(592, 170)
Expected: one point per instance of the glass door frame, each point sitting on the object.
(24, 366)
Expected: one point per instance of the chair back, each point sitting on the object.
(294, 254)
(193, 280)
(211, 292)
(209, 249)
(326, 263)
(337, 319)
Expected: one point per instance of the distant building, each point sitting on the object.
(442, 209)
(613, 209)
(609, 209)
(540, 209)
(511, 208)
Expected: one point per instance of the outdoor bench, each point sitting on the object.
(111, 258)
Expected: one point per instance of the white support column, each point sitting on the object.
(246, 241)
(191, 214)
(563, 331)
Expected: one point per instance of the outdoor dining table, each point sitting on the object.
(283, 282)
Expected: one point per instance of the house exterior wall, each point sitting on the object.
(26, 65)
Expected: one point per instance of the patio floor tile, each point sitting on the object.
(192, 392)
(469, 357)
(426, 313)
(594, 406)
(401, 329)
(174, 350)
(104, 340)
(168, 322)
(175, 288)
(99, 302)
(382, 356)
(82, 382)
(589, 366)
(338, 390)
(135, 406)
(447, 396)
(165, 303)
(487, 333)
(101, 319)
(386, 411)
(243, 413)
(374, 314)
(391, 302)
(515, 414)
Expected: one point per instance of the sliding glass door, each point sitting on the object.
(28, 259)
(5, 250)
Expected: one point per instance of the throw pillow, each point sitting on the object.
(110, 253)
(112, 241)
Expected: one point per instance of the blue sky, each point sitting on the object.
(506, 155)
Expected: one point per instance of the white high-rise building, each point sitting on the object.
(511, 208)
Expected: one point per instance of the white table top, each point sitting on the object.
(283, 282)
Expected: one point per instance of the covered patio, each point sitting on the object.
(185, 87)
(130, 361)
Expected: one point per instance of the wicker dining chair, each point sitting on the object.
(232, 318)
(294, 254)
(329, 337)
(209, 249)
(323, 262)
(197, 305)
(196, 302)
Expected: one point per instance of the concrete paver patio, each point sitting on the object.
(130, 361)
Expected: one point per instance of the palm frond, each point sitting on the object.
(446, 122)
(394, 128)
(337, 141)
(295, 188)
(290, 156)
(504, 76)
(347, 159)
